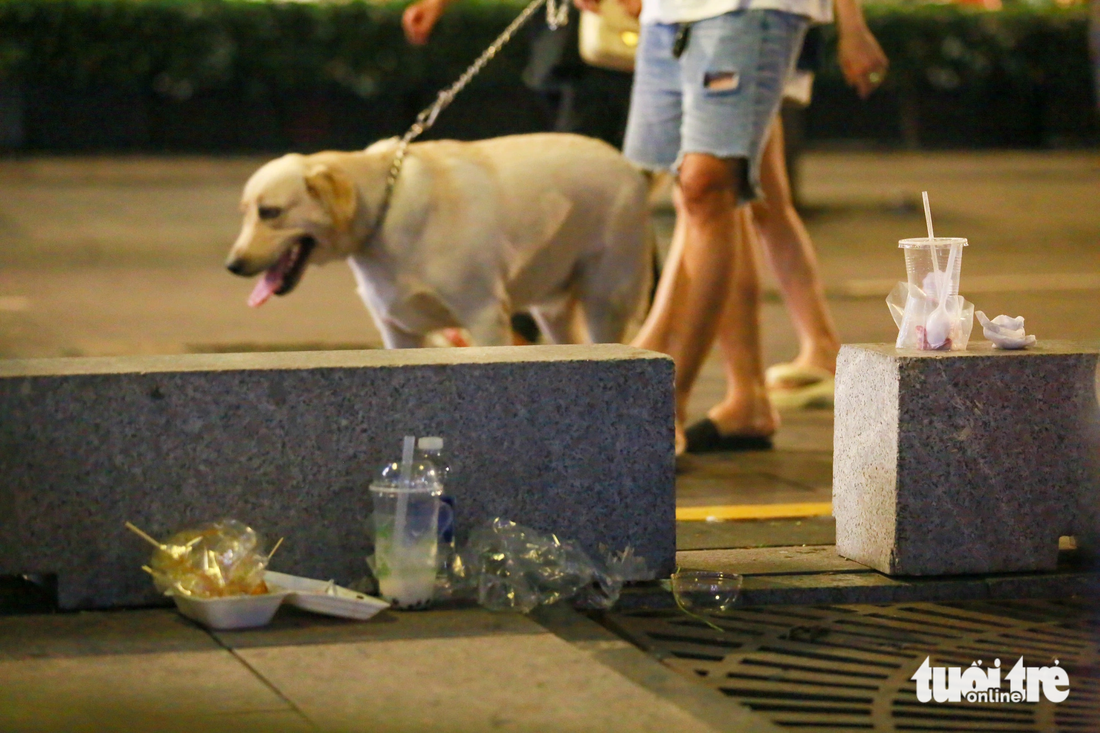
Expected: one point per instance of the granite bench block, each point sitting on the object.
(577, 440)
(965, 462)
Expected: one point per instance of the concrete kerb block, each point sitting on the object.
(965, 462)
(575, 440)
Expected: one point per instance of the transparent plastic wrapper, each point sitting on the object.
(222, 558)
(509, 567)
(627, 565)
(909, 308)
(927, 308)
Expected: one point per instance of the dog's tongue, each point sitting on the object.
(265, 288)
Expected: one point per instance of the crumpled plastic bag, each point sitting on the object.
(509, 567)
(222, 558)
(1005, 332)
(912, 307)
(627, 565)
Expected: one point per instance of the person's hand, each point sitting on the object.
(592, 6)
(633, 8)
(420, 18)
(861, 59)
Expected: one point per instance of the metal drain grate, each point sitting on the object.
(847, 668)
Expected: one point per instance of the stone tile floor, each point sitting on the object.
(124, 255)
(451, 670)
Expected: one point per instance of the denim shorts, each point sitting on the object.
(721, 94)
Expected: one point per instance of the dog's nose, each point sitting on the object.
(235, 266)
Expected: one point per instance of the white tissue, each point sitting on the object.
(1005, 332)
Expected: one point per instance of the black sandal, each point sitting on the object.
(703, 437)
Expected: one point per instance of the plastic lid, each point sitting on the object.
(423, 477)
(917, 242)
(430, 443)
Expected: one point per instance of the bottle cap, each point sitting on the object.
(430, 443)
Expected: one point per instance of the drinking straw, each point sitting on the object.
(407, 459)
(931, 236)
(927, 214)
(403, 487)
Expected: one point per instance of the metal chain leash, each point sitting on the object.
(557, 15)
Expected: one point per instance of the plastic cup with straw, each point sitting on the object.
(932, 285)
(406, 516)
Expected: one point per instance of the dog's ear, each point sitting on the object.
(336, 192)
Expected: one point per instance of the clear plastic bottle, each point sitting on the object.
(430, 449)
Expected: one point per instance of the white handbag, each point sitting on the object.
(608, 38)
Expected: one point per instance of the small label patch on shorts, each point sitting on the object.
(721, 81)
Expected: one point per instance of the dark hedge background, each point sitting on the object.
(237, 76)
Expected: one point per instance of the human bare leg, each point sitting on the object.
(745, 411)
(791, 253)
(696, 279)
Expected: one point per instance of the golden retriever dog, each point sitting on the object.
(473, 232)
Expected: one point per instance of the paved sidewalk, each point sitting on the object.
(467, 669)
(107, 256)
(455, 670)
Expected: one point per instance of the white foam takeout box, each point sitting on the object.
(246, 612)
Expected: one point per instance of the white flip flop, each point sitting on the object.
(815, 386)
